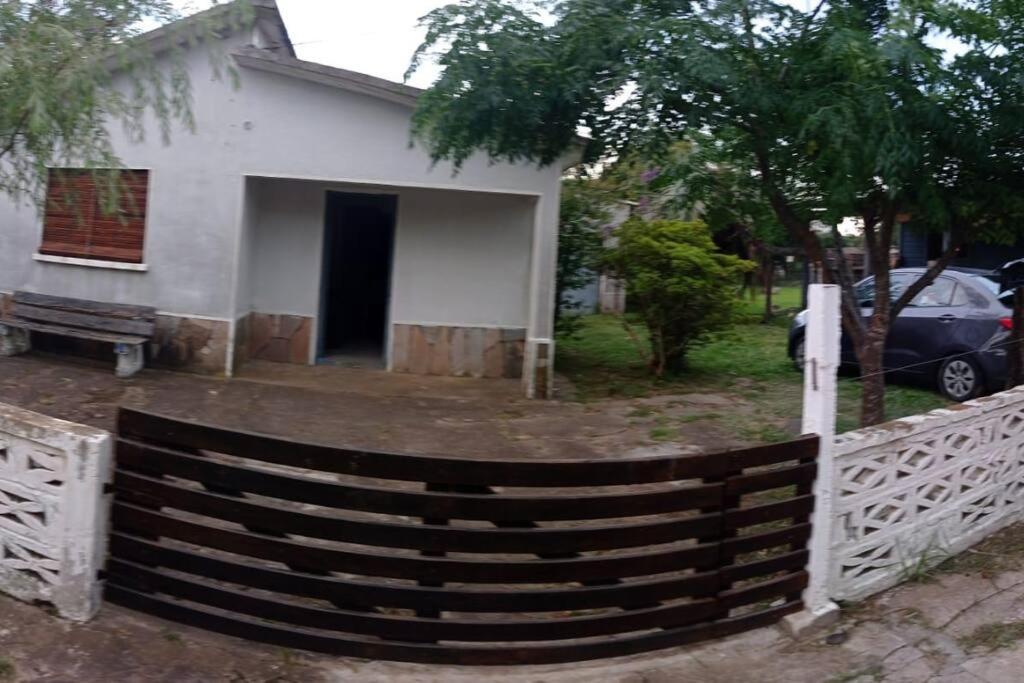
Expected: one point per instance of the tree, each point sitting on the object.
(583, 212)
(678, 282)
(70, 69)
(846, 109)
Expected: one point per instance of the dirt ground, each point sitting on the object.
(374, 410)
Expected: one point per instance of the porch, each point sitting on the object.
(425, 281)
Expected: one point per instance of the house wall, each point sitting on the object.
(461, 261)
(198, 263)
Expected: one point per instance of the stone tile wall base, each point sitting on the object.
(190, 344)
(273, 337)
(457, 351)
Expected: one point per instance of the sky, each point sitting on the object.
(376, 37)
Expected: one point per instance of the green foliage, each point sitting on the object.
(584, 210)
(846, 108)
(832, 110)
(679, 284)
(72, 69)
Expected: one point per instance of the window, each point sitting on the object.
(78, 223)
(897, 283)
(938, 293)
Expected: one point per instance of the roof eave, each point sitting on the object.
(263, 60)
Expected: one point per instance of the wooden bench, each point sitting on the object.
(128, 328)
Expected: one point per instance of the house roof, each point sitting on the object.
(274, 59)
(288, 65)
(267, 18)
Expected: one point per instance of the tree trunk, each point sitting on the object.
(871, 358)
(1015, 350)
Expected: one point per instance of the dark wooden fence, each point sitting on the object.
(446, 560)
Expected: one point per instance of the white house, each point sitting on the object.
(297, 223)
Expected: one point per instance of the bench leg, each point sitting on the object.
(130, 359)
(14, 340)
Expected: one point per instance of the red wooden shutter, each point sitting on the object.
(77, 223)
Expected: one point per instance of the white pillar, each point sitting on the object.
(821, 368)
(539, 354)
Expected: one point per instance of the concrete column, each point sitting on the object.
(819, 417)
(539, 354)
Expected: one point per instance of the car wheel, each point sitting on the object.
(960, 379)
(799, 354)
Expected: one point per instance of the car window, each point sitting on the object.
(938, 293)
(986, 283)
(898, 282)
(960, 296)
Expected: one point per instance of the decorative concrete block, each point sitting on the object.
(53, 510)
(908, 494)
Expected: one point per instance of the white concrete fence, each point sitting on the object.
(899, 498)
(890, 501)
(53, 510)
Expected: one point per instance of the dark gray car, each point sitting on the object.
(951, 335)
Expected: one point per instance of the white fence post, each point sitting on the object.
(821, 348)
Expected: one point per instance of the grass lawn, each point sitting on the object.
(748, 362)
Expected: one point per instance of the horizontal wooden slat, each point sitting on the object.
(272, 518)
(439, 470)
(140, 520)
(797, 508)
(60, 303)
(94, 322)
(157, 460)
(75, 332)
(378, 593)
(796, 559)
(783, 585)
(321, 641)
(801, 448)
(138, 577)
(772, 479)
(798, 533)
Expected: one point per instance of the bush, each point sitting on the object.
(678, 283)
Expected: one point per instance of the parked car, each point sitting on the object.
(951, 335)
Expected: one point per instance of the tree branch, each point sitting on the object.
(928, 278)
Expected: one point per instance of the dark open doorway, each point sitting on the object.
(359, 235)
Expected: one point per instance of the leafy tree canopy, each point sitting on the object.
(846, 109)
(71, 68)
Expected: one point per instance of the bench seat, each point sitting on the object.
(127, 327)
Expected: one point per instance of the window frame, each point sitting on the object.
(90, 260)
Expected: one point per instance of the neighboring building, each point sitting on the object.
(604, 293)
(298, 224)
(919, 248)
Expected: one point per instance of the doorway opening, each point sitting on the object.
(359, 235)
